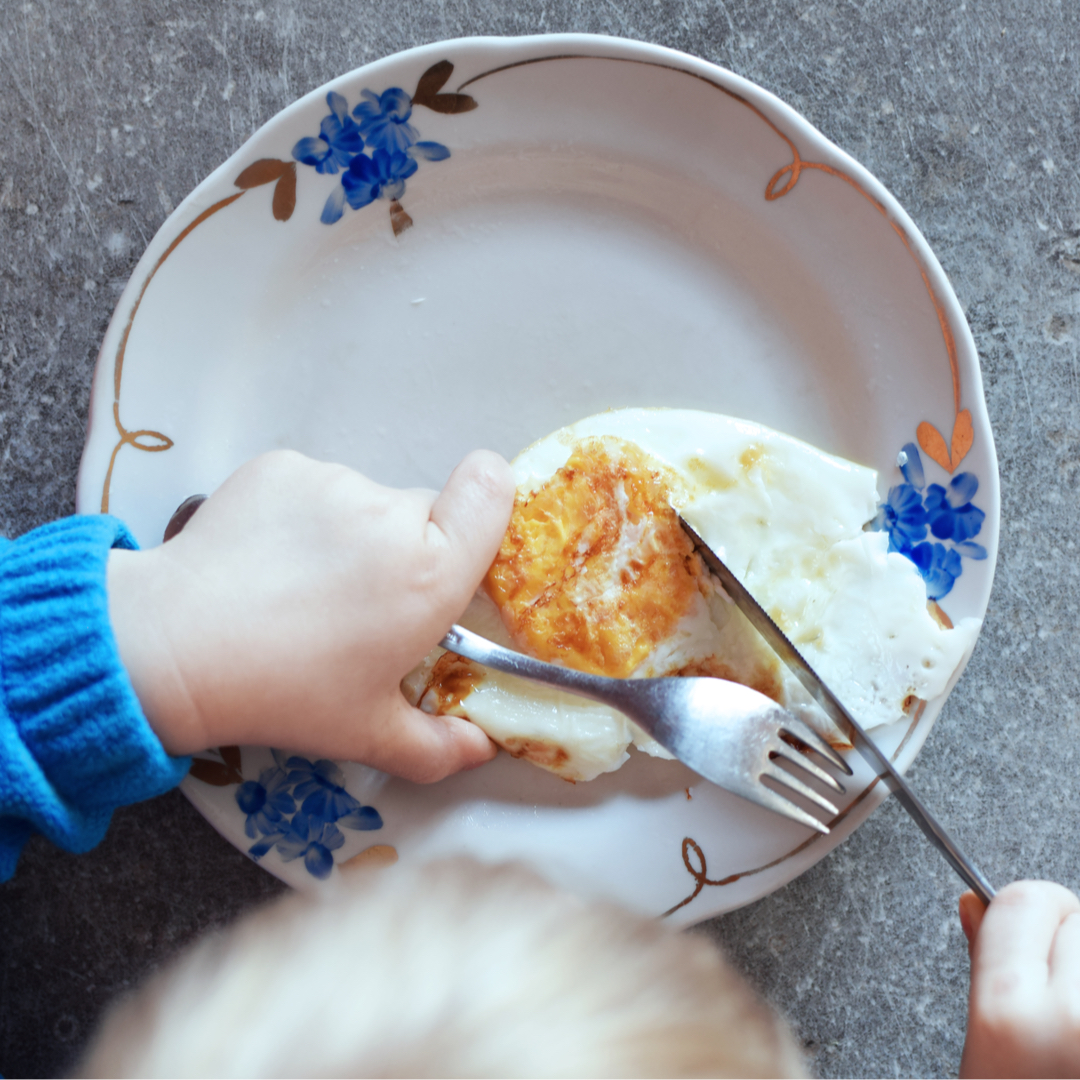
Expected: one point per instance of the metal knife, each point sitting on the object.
(830, 704)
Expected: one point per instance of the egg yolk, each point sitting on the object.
(595, 570)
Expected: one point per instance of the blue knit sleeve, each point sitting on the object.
(74, 743)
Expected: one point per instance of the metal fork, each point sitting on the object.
(727, 733)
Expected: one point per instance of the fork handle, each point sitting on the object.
(474, 647)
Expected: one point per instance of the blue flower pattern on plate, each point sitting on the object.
(384, 119)
(299, 807)
(369, 178)
(338, 142)
(322, 787)
(265, 802)
(951, 514)
(939, 566)
(912, 508)
(312, 839)
(376, 150)
(904, 517)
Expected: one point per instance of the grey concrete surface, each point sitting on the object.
(112, 110)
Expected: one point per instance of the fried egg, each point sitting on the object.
(595, 573)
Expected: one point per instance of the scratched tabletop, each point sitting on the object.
(111, 111)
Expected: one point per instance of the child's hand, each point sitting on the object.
(288, 610)
(1024, 1007)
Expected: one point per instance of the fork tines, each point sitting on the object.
(793, 746)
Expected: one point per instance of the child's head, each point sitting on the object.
(456, 969)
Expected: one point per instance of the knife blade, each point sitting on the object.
(834, 709)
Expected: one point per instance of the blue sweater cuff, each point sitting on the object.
(74, 743)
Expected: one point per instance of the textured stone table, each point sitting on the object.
(112, 110)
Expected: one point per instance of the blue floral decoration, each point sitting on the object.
(384, 119)
(368, 179)
(377, 148)
(912, 508)
(299, 807)
(321, 785)
(904, 517)
(314, 840)
(939, 566)
(950, 511)
(265, 802)
(338, 142)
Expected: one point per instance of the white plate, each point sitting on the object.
(615, 224)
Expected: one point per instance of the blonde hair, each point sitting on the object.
(455, 969)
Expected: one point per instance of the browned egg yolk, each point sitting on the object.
(452, 680)
(595, 570)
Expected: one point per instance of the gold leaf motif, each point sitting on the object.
(231, 756)
(937, 613)
(263, 171)
(285, 193)
(431, 82)
(933, 442)
(212, 772)
(219, 773)
(399, 218)
(375, 857)
(963, 435)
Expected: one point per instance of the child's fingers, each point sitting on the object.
(472, 511)
(972, 910)
(423, 748)
(1012, 950)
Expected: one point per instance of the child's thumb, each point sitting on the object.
(472, 513)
